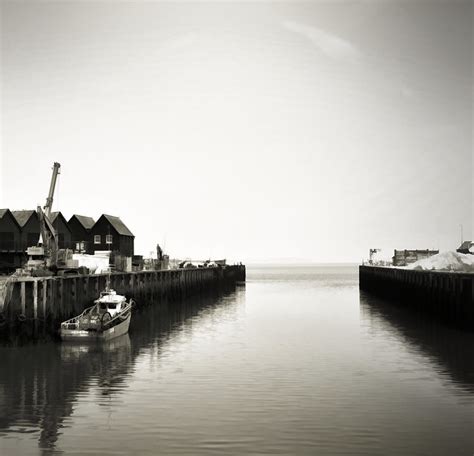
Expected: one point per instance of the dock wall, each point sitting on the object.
(46, 301)
(447, 295)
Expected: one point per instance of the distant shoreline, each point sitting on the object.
(299, 265)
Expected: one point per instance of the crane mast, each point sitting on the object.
(48, 233)
(49, 236)
(49, 200)
(44, 256)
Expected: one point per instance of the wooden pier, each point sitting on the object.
(46, 301)
(448, 295)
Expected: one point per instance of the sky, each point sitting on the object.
(253, 131)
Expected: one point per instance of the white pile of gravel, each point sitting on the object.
(445, 261)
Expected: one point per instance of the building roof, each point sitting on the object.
(119, 226)
(86, 222)
(22, 216)
(466, 245)
(3, 212)
(53, 216)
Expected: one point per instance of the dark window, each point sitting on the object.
(32, 239)
(7, 240)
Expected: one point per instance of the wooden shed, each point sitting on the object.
(80, 226)
(11, 248)
(110, 233)
(30, 228)
(61, 226)
(10, 232)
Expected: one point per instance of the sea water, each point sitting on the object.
(296, 361)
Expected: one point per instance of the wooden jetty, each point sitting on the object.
(448, 295)
(46, 301)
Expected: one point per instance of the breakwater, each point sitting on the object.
(39, 304)
(447, 295)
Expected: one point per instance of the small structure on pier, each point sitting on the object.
(466, 247)
(406, 257)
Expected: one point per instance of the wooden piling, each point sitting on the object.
(448, 295)
(43, 302)
(23, 298)
(35, 300)
(54, 299)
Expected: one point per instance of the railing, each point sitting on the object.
(73, 323)
(121, 316)
(75, 320)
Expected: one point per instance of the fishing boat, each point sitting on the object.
(109, 317)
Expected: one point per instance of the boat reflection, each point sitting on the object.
(450, 349)
(40, 384)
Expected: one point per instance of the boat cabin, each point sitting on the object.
(109, 301)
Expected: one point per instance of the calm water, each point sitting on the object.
(295, 362)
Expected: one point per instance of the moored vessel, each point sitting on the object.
(108, 318)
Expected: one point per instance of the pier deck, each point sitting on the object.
(448, 295)
(46, 301)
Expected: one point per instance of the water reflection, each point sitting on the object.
(40, 384)
(450, 349)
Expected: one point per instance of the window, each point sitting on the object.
(97, 239)
(32, 239)
(80, 246)
(7, 240)
(108, 239)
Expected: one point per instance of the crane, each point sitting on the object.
(49, 200)
(372, 252)
(48, 233)
(49, 237)
(44, 257)
(45, 254)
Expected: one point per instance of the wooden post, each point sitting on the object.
(85, 283)
(74, 295)
(35, 300)
(45, 290)
(61, 297)
(23, 297)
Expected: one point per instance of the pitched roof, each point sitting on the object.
(22, 216)
(466, 245)
(86, 222)
(3, 212)
(53, 216)
(118, 225)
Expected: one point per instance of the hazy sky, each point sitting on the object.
(250, 130)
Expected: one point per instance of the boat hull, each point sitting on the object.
(83, 335)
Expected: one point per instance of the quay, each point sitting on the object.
(446, 295)
(29, 303)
